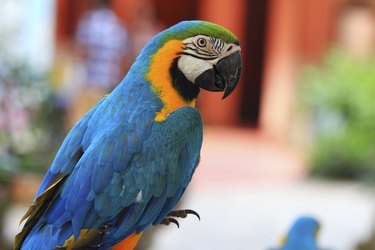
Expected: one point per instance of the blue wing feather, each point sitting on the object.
(108, 171)
(68, 155)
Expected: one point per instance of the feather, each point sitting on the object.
(36, 211)
(88, 239)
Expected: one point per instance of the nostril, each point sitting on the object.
(229, 48)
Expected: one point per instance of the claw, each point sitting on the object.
(189, 211)
(183, 213)
(167, 221)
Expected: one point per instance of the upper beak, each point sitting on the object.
(224, 76)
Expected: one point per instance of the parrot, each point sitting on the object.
(126, 163)
(302, 235)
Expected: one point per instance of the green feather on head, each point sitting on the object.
(186, 29)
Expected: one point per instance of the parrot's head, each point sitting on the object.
(196, 54)
(304, 228)
(210, 57)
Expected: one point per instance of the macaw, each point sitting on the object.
(302, 235)
(127, 162)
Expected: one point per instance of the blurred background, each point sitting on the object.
(296, 138)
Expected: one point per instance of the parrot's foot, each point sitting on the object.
(183, 213)
(178, 214)
(167, 220)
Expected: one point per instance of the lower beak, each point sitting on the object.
(224, 76)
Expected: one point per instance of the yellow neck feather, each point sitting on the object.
(160, 78)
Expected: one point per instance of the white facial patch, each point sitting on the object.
(192, 67)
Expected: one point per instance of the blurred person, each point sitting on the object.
(144, 26)
(102, 44)
(356, 30)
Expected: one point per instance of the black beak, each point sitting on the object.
(224, 76)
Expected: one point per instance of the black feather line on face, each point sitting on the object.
(198, 52)
(185, 88)
(199, 57)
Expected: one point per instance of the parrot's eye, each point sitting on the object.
(202, 42)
